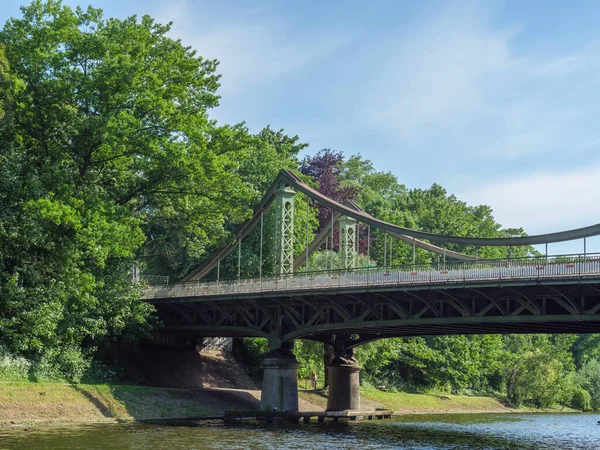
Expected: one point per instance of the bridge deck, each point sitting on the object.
(555, 296)
(452, 273)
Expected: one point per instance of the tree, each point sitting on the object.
(110, 156)
(588, 377)
(539, 369)
(325, 168)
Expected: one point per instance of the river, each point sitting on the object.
(448, 431)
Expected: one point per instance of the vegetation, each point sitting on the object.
(539, 371)
(109, 159)
(405, 402)
(45, 402)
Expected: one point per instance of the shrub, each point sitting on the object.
(582, 400)
(13, 367)
(588, 377)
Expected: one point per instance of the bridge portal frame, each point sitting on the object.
(347, 240)
(284, 229)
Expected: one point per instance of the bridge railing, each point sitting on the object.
(446, 273)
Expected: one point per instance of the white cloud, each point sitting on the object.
(542, 202)
(252, 47)
(460, 80)
(251, 54)
(436, 75)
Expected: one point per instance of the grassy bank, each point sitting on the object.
(22, 402)
(405, 403)
(31, 403)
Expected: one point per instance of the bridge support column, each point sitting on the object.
(280, 380)
(284, 231)
(347, 241)
(344, 383)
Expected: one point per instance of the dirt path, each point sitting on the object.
(183, 368)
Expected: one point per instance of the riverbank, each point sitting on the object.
(49, 403)
(405, 403)
(34, 403)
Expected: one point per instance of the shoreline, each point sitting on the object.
(24, 404)
(191, 420)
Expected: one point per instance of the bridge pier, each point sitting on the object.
(344, 382)
(280, 380)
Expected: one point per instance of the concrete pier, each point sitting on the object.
(280, 380)
(344, 383)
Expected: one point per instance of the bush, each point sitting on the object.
(582, 400)
(65, 364)
(13, 367)
(588, 377)
(60, 364)
(99, 373)
(250, 353)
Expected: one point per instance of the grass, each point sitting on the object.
(30, 402)
(415, 403)
(25, 402)
(405, 402)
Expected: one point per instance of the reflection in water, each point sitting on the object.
(451, 431)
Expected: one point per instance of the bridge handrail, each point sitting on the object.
(483, 270)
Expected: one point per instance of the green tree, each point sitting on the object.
(588, 377)
(113, 157)
(539, 369)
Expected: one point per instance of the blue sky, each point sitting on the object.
(497, 101)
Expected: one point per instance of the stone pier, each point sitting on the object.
(344, 382)
(280, 380)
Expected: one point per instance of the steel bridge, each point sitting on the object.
(546, 295)
(347, 306)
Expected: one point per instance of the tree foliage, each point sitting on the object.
(109, 158)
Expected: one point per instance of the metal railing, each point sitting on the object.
(153, 280)
(456, 272)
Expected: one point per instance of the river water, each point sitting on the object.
(448, 431)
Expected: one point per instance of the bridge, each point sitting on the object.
(346, 306)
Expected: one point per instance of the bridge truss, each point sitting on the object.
(287, 183)
(351, 305)
(364, 305)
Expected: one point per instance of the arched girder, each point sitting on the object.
(265, 311)
(425, 302)
(360, 342)
(333, 328)
(570, 306)
(490, 299)
(225, 331)
(310, 337)
(183, 308)
(311, 305)
(393, 305)
(336, 307)
(362, 302)
(225, 313)
(243, 312)
(596, 308)
(456, 303)
(287, 308)
(531, 306)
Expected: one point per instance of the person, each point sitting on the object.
(313, 380)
